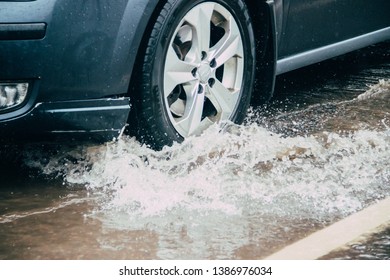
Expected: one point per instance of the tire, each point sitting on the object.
(198, 69)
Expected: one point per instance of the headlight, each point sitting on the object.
(12, 95)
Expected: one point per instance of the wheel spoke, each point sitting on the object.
(193, 112)
(223, 99)
(177, 72)
(229, 46)
(199, 18)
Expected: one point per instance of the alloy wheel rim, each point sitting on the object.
(204, 68)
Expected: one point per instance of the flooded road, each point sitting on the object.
(318, 153)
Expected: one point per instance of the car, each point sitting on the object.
(162, 70)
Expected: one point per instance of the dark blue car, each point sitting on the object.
(168, 68)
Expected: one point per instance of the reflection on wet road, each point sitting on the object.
(319, 152)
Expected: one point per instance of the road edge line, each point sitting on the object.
(336, 235)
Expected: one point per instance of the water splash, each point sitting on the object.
(232, 179)
(242, 167)
(380, 91)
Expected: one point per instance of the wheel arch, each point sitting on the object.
(141, 44)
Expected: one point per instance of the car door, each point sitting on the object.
(358, 17)
(310, 24)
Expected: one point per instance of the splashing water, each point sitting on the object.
(380, 91)
(232, 180)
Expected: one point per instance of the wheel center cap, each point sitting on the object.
(204, 73)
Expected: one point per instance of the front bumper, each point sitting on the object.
(71, 55)
(99, 119)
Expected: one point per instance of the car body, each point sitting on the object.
(75, 63)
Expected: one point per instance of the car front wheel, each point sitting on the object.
(198, 70)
